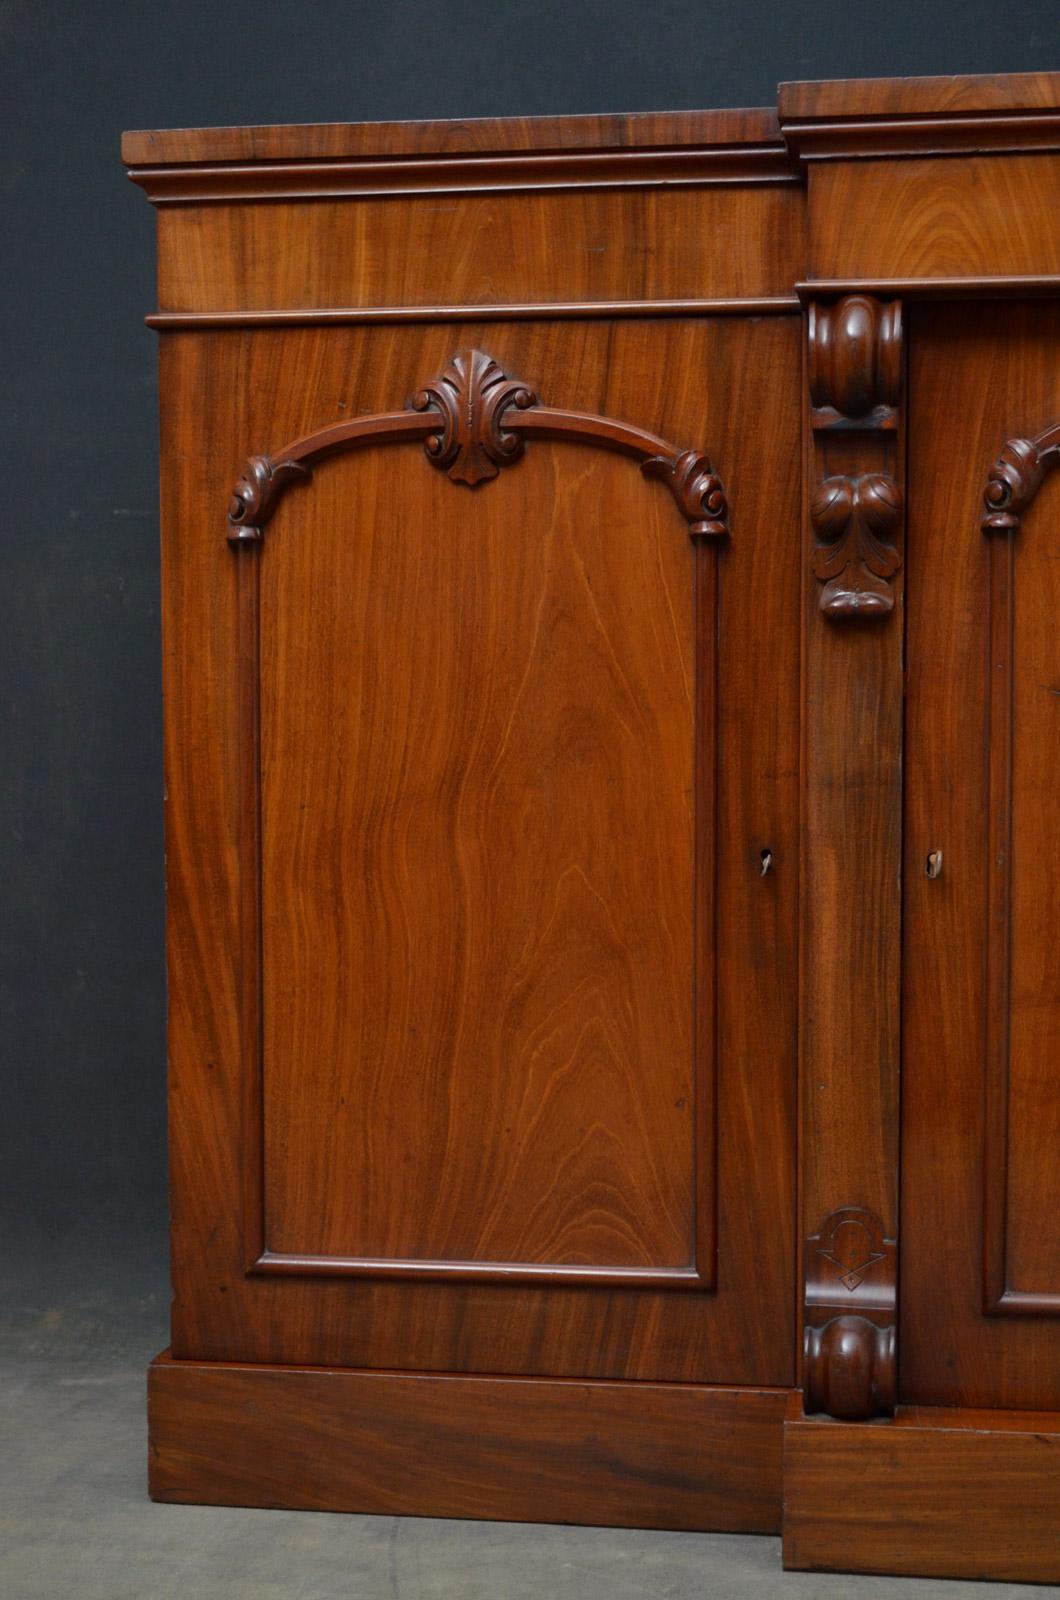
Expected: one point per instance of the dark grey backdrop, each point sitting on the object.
(82, 1163)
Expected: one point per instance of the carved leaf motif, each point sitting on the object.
(854, 517)
(472, 420)
(472, 395)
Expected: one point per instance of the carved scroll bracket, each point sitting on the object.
(1016, 477)
(472, 420)
(850, 1368)
(855, 378)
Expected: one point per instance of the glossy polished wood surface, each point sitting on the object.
(643, 1455)
(468, 136)
(940, 218)
(938, 1492)
(565, 875)
(980, 1183)
(580, 848)
(463, 249)
(479, 920)
(895, 97)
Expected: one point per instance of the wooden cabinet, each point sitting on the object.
(612, 749)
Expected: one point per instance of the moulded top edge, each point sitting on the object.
(856, 98)
(474, 136)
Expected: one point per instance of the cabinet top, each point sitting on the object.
(315, 141)
(854, 100)
(911, 97)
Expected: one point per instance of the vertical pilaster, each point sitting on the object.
(851, 895)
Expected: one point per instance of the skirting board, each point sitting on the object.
(936, 1492)
(613, 1454)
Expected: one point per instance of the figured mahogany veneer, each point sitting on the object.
(472, 420)
(564, 878)
(939, 1492)
(521, 861)
(619, 1455)
(980, 1303)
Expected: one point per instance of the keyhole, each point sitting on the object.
(766, 858)
(933, 864)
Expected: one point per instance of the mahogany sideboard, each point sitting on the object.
(612, 696)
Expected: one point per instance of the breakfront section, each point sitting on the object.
(480, 510)
(612, 756)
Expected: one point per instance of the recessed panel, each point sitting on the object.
(477, 748)
(1033, 1242)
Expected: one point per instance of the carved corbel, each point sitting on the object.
(849, 1365)
(855, 380)
(855, 520)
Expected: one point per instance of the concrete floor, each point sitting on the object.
(76, 1523)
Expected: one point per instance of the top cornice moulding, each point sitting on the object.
(476, 136)
(830, 120)
(680, 149)
(878, 117)
(845, 98)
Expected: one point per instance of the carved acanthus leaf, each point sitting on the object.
(472, 420)
(855, 517)
(472, 395)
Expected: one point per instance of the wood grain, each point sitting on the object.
(518, 846)
(951, 1352)
(850, 947)
(588, 245)
(478, 823)
(226, 395)
(1022, 1259)
(640, 1455)
(933, 1493)
(466, 136)
(896, 97)
(556, 310)
(960, 217)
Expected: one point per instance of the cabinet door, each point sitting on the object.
(482, 1012)
(981, 1088)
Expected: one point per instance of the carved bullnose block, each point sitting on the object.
(855, 362)
(850, 1369)
(854, 369)
(850, 1365)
